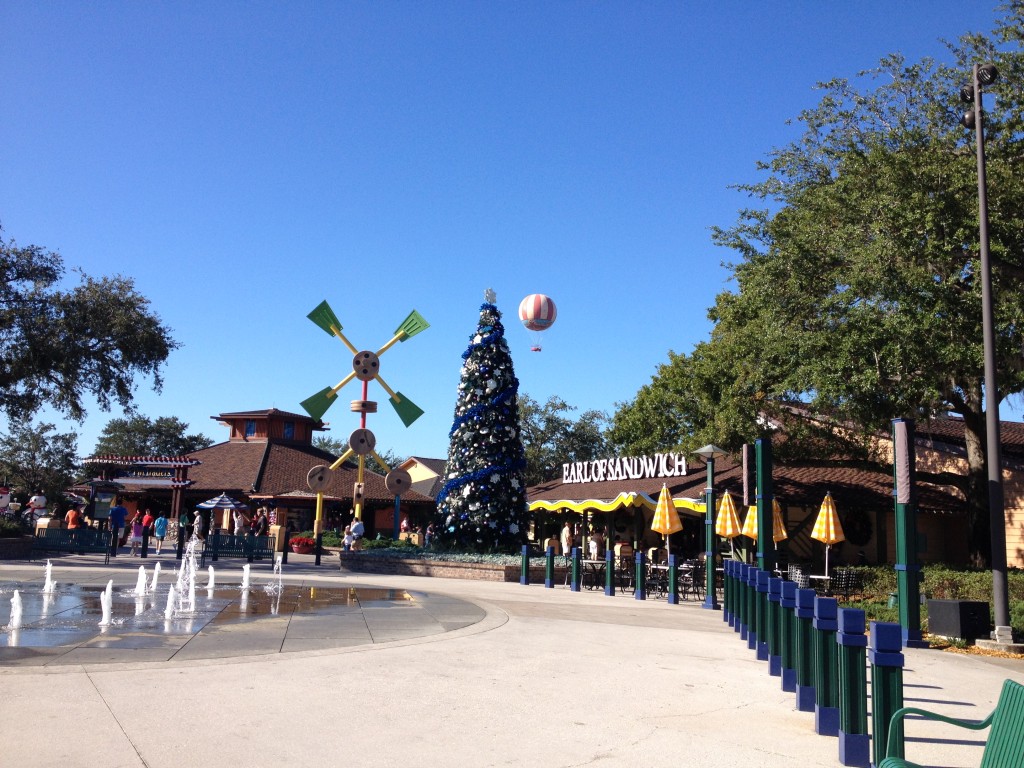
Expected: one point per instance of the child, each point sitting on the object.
(136, 539)
(346, 543)
(159, 531)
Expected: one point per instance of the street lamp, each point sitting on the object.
(709, 453)
(986, 74)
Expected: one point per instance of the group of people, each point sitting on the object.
(143, 522)
(571, 536)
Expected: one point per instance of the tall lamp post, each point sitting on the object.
(709, 453)
(986, 74)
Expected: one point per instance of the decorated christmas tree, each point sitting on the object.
(482, 506)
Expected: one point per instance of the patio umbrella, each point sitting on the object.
(778, 525)
(222, 502)
(666, 518)
(827, 528)
(727, 524)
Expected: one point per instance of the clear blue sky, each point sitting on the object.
(245, 161)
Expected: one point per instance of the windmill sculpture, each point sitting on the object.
(361, 443)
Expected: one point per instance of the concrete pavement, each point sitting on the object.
(544, 677)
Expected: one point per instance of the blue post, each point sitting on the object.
(609, 572)
(524, 568)
(396, 520)
(742, 619)
(641, 577)
(886, 657)
(826, 667)
(787, 635)
(762, 614)
(752, 607)
(803, 615)
(728, 608)
(549, 568)
(576, 573)
(854, 742)
(673, 581)
(774, 624)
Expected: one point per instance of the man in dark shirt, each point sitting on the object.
(118, 515)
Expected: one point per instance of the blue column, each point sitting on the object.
(803, 617)
(524, 568)
(742, 586)
(854, 742)
(641, 577)
(826, 667)
(576, 574)
(886, 657)
(609, 572)
(787, 635)
(549, 568)
(673, 583)
(752, 599)
(774, 613)
(762, 614)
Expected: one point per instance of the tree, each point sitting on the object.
(139, 436)
(57, 345)
(857, 285)
(35, 457)
(482, 506)
(551, 438)
(336, 447)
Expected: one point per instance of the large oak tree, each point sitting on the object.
(857, 282)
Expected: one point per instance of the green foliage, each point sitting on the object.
(59, 346)
(482, 506)
(36, 457)
(551, 437)
(141, 436)
(401, 545)
(10, 530)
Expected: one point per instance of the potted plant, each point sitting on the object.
(302, 545)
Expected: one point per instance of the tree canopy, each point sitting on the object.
(858, 289)
(551, 437)
(141, 436)
(36, 457)
(58, 345)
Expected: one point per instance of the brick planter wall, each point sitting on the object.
(354, 562)
(15, 549)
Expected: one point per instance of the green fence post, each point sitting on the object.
(673, 581)
(774, 625)
(609, 572)
(826, 667)
(751, 607)
(641, 577)
(803, 616)
(576, 573)
(787, 607)
(854, 742)
(886, 657)
(524, 568)
(549, 568)
(762, 614)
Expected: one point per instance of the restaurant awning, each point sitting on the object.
(624, 500)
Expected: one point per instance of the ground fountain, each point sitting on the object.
(156, 578)
(106, 603)
(245, 577)
(141, 583)
(48, 585)
(210, 580)
(16, 609)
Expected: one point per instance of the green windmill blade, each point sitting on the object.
(412, 325)
(406, 409)
(317, 405)
(324, 317)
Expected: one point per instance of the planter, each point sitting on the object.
(302, 549)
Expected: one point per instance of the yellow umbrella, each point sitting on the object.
(827, 528)
(778, 526)
(727, 524)
(666, 518)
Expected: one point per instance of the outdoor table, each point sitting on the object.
(658, 581)
(593, 573)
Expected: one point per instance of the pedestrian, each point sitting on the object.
(567, 539)
(429, 536)
(147, 521)
(118, 514)
(159, 531)
(73, 518)
(346, 542)
(136, 537)
(357, 534)
(197, 525)
(241, 523)
(404, 525)
(262, 524)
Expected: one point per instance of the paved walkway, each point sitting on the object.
(544, 677)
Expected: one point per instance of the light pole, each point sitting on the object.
(986, 74)
(709, 453)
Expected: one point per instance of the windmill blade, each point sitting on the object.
(406, 409)
(317, 405)
(412, 325)
(324, 317)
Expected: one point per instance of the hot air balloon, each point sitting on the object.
(537, 312)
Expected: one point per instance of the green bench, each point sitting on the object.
(220, 545)
(73, 540)
(1004, 747)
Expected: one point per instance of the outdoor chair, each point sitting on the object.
(1004, 747)
(691, 580)
(846, 582)
(799, 576)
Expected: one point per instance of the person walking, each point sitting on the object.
(118, 514)
(262, 524)
(197, 525)
(136, 538)
(241, 523)
(73, 518)
(160, 531)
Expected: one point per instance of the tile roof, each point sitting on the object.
(265, 413)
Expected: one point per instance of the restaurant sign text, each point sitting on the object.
(625, 468)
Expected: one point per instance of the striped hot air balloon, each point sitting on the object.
(537, 312)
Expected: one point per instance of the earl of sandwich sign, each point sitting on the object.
(625, 468)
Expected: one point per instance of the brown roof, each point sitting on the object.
(265, 413)
(947, 433)
(274, 469)
(797, 485)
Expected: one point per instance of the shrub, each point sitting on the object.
(10, 530)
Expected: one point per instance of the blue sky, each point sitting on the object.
(245, 161)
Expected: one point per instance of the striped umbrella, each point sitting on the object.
(666, 518)
(222, 502)
(827, 528)
(778, 524)
(727, 524)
